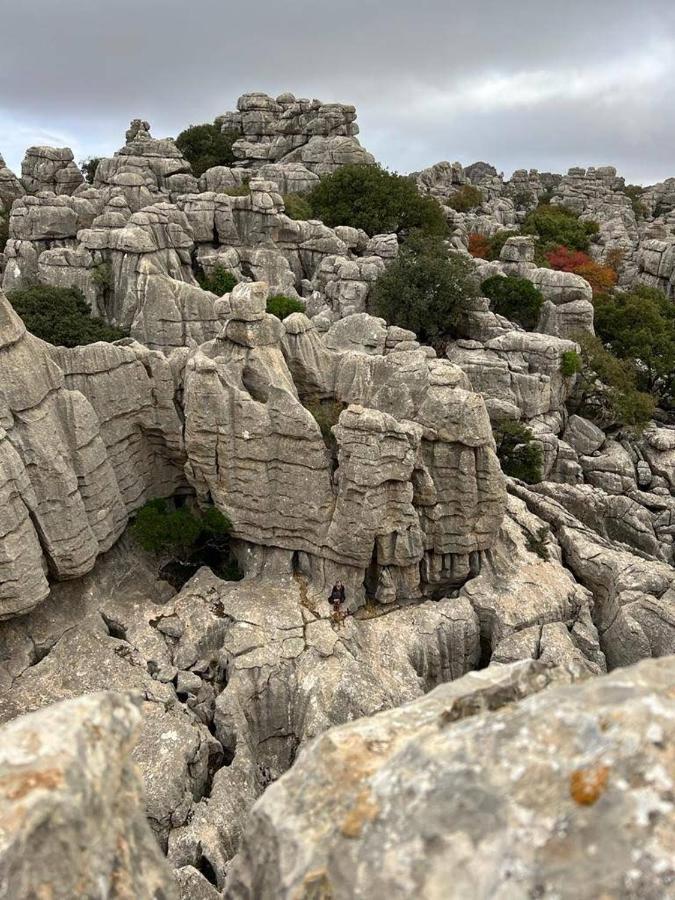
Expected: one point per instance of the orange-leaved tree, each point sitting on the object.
(601, 278)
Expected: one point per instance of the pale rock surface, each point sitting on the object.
(71, 806)
(473, 791)
(50, 169)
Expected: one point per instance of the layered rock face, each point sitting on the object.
(73, 817)
(396, 506)
(72, 467)
(320, 136)
(473, 791)
(50, 169)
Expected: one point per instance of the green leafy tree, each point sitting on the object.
(639, 326)
(88, 168)
(298, 207)
(570, 363)
(61, 316)
(219, 281)
(520, 455)
(466, 198)
(607, 389)
(556, 225)
(424, 290)
(281, 306)
(161, 529)
(205, 146)
(517, 299)
(377, 201)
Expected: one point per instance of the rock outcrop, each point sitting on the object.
(71, 805)
(473, 791)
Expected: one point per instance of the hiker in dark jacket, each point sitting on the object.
(337, 598)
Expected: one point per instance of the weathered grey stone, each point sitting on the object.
(50, 169)
(71, 805)
(467, 793)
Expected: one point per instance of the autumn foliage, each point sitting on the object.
(479, 246)
(601, 278)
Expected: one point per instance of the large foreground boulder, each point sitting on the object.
(469, 793)
(71, 806)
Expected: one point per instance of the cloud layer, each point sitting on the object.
(529, 84)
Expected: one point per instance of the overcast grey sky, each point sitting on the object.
(530, 83)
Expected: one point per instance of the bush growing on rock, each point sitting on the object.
(556, 225)
(377, 201)
(192, 538)
(601, 278)
(88, 168)
(326, 413)
(479, 246)
(517, 299)
(519, 454)
(639, 326)
(218, 282)
(607, 389)
(281, 306)
(424, 290)
(61, 316)
(205, 146)
(570, 364)
(4, 228)
(298, 207)
(466, 198)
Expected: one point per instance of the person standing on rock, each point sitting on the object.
(337, 598)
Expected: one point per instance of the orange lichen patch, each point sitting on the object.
(315, 886)
(16, 787)
(587, 785)
(365, 810)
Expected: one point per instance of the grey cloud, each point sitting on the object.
(84, 68)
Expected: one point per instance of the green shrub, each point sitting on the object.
(102, 276)
(466, 198)
(639, 326)
(424, 290)
(608, 386)
(242, 190)
(556, 225)
(570, 364)
(298, 207)
(515, 298)
(4, 228)
(520, 456)
(205, 146)
(377, 201)
(326, 413)
(523, 199)
(219, 282)
(281, 306)
(191, 538)
(88, 168)
(634, 193)
(61, 316)
(536, 543)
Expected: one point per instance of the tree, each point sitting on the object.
(218, 282)
(606, 390)
(377, 201)
(601, 278)
(61, 316)
(161, 529)
(298, 207)
(88, 168)
(517, 299)
(424, 290)
(519, 454)
(639, 326)
(205, 146)
(466, 198)
(556, 225)
(281, 306)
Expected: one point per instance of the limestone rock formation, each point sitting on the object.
(473, 791)
(71, 806)
(320, 136)
(50, 169)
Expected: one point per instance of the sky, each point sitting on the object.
(525, 84)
